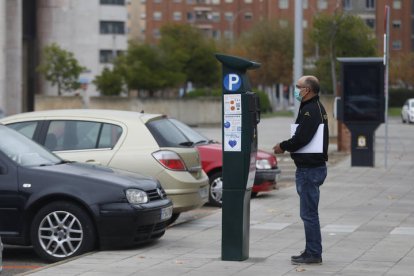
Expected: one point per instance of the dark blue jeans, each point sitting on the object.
(308, 181)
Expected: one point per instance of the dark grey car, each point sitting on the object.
(65, 209)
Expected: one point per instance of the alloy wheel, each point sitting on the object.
(60, 234)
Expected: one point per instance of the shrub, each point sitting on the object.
(397, 97)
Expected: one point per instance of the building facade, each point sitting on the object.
(229, 18)
(94, 31)
(11, 55)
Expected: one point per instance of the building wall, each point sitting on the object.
(75, 26)
(136, 20)
(11, 56)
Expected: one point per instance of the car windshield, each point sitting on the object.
(412, 104)
(190, 133)
(24, 151)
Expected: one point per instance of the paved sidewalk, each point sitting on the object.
(367, 220)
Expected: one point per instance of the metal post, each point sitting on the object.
(386, 77)
(298, 59)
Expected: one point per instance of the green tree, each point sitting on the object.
(190, 52)
(144, 67)
(340, 35)
(60, 67)
(109, 82)
(272, 46)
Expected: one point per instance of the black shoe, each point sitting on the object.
(302, 254)
(306, 258)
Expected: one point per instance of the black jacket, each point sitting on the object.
(311, 114)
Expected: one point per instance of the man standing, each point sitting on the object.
(310, 167)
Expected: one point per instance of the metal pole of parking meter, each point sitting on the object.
(240, 116)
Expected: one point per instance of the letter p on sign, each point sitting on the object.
(232, 82)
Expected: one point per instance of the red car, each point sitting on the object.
(211, 155)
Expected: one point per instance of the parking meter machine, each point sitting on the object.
(362, 105)
(241, 114)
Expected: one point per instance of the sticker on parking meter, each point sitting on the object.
(232, 82)
(232, 123)
(232, 128)
(232, 141)
(232, 104)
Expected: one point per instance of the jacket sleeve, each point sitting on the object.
(308, 123)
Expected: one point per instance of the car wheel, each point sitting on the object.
(254, 194)
(61, 230)
(216, 190)
(402, 119)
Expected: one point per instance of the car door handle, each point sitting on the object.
(91, 161)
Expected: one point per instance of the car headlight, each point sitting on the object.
(135, 196)
(263, 164)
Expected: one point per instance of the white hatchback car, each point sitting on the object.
(148, 144)
(407, 111)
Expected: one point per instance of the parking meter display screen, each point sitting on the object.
(363, 92)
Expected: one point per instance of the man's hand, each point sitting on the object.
(277, 149)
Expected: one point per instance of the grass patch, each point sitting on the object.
(394, 111)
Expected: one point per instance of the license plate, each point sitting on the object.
(203, 192)
(166, 213)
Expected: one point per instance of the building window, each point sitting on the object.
(113, 2)
(156, 33)
(248, 1)
(216, 34)
(305, 4)
(396, 24)
(157, 16)
(305, 24)
(107, 56)
(228, 1)
(228, 16)
(396, 45)
(177, 16)
(283, 4)
(215, 2)
(347, 5)
(248, 16)
(322, 4)
(112, 27)
(157, 1)
(370, 4)
(370, 23)
(215, 16)
(396, 4)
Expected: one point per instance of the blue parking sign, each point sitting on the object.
(232, 82)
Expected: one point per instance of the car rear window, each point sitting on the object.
(167, 134)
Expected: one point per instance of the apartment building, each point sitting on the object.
(401, 22)
(94, 31)
(229, 18)
(136, 20)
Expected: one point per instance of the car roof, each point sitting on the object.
(107, 114)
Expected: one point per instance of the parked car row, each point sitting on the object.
(134, 170)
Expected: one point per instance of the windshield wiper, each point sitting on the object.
(186, 144)
(200, 142)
